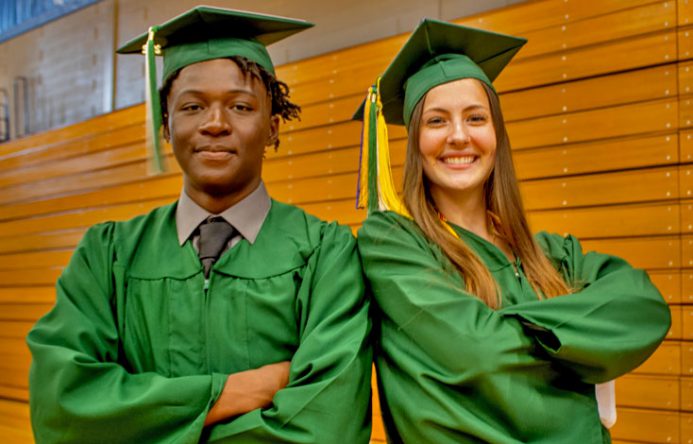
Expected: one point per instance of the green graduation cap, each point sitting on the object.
(436, 53)
(200, 34)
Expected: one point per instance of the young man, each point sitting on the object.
(225, 316)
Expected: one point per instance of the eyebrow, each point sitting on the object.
(231, 91)
(469, 108)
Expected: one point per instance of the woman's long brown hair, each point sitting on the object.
(503, 200)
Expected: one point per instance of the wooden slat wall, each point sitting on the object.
(599, 108)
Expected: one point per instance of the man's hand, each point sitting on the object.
(249, 390)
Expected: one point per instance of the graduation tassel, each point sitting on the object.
(153, 111)
(376, 188)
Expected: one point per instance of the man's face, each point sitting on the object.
(219, 123)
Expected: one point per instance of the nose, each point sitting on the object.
(459, 133)
(215, 122)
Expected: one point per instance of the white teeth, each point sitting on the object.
(459, 160)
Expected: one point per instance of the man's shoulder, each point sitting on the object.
(135, 227)
(298, 223)
(157, 215)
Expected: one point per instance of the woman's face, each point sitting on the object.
(457, 139)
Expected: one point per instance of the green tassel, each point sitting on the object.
(153, 106)
(373, 195)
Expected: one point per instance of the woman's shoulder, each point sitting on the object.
(388, 224)
(387, 219)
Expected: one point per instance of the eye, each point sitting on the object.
(242, 107)
(435, 121)
(477, 118)
(191, 107)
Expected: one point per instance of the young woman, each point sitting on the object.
(486, 333)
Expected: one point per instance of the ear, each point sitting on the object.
(273, 134)
(167, 131)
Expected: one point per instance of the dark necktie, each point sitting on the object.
(214, 235)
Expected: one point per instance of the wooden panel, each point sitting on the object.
(620, 55)
(685, 43)
(34, 260)
(78, 219)
(636, 86)
(685, 12)
(686, 146)
(687, 394)
(15, 427)
(602, 155)
(618, 121)
(611, 221)
(666, 360)
(686, 205)
(599, 29)
(40, 241)
(320, 163)
(685, 112)
(27, 295)
(687, 287)
(685, 75)
(13, 329)
(334, 136)
(687, 251)
(687, 321)
(647, 426)
(353, 78)
(19, 278)
(335, 187)
(600, 189)
(86, 181)
(541, 14)
(158, 187)
(14, 393)
(24, 312)
(687, 358)
(669, 284)
(677, 321)
(657, 392)
(327, 68)
(324, 113)
(70, 148)
(646, 252)
(521, 18)
(686, 428)
(74, 165)
(103, 124)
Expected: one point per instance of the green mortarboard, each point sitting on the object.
(436, 53)
(200, 34)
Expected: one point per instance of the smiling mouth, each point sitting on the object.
(458, 160)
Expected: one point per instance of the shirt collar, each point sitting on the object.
(247, 216)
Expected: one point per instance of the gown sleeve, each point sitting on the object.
(420, 297)
(80, 391)
(328, 396)
(613, 321)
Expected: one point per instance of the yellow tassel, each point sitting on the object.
(387, 192)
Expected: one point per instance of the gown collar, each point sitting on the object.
(247, 216)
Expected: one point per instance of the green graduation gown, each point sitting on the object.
(452, 370)
(136, 350)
